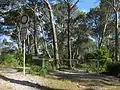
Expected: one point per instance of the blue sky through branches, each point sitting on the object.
(85, 5)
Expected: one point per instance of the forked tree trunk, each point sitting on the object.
(55, 45)
(69, 9)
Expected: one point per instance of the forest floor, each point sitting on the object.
(70, 80)
(11, 79)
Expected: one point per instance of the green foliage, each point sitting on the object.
(40, 70)
(103, 55)
(89, 56)
(113, 68)
(35, 70)
(100, 55)
(28, 59)
(19, 58)
(48, 66)
(91, 67)
(16, 60)
(1, 58)
(78, 66)
(10, 60)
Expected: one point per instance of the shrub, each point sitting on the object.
(19, 58)
(10, 60)
(28, 59)
(39, 70)
(113, 68)
(1, 58)
(103, 57)
(35, 70)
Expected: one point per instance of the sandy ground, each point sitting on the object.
(10, 79)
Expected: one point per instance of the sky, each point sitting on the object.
(85, 5)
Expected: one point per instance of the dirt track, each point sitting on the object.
(10, 79)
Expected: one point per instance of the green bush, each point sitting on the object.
(103, 57)
(28, 59)
(35, 70)
(48, 66)
(113, 68)
(1, 59)
(98, 60)
(19, 58)
(10, 60)
(39, 70)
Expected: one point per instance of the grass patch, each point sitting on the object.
(54, 82)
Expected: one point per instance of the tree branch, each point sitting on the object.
(111, 5)
(74, 5)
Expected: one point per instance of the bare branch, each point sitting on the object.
(28, 6)
(111, 5)
(74, 4)
(65, 1)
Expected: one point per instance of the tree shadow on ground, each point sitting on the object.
(27, 83)
(85, 77)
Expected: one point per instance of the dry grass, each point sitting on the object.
(59, 84)
(91, 84)
(62, 84)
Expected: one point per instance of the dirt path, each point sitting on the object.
(76, 76)
(10, 79)
(87, 81)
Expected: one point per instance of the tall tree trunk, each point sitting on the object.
(115, 7)
(116, 36)
(19, 40)
(100, 41)
(56, 55)
(116, 29)
(35, 35)
(28, 43)
(69, 8)
(68, 30)
(47, 49)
